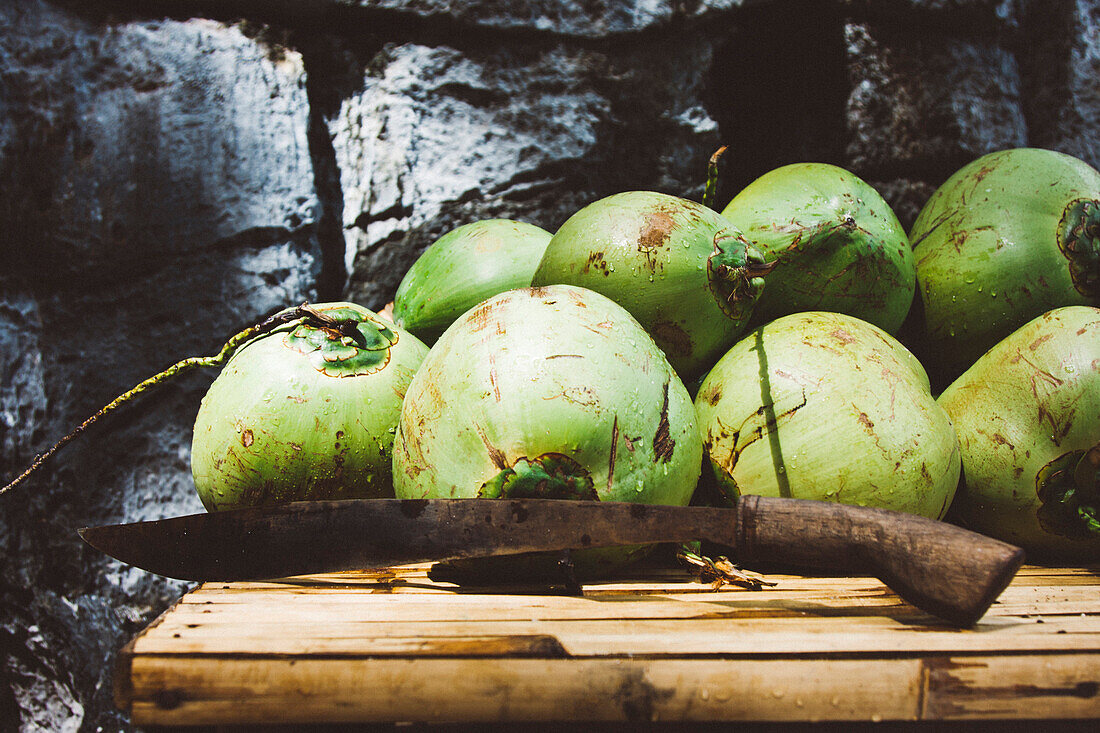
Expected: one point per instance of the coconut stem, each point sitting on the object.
(711, 189)
(1069, 488)
(1079, 242)
(1087, 478)
(736, 278)
(335, 326)
(302, 312)
(550, 476)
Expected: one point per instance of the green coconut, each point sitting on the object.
(464, 267)
(305, 411)
(825, 406)
(1005, 239)
(688, 275)
(1028, 418)
(550, 392)
(836, 244)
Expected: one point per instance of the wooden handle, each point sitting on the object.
(938, 567)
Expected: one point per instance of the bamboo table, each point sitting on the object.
(396, 646)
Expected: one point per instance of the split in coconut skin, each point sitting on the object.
(688, 275)
(551, 392)
(836, 243)
(464, 267)
(1005, 239)
(1027, 414)
(825, 406)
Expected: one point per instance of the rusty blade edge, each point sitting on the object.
(328, 536)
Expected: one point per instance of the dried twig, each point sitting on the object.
(720, 571)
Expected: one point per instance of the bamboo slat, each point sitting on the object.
(394, 646)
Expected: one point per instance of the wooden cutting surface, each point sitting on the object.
(396, 646)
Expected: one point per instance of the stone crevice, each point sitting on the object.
(777, 90)
(996, 20)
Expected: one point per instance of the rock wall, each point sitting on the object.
(172, 171)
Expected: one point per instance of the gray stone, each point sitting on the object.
(906, 197)
(590, 19)
(1061, 60)
(439, 137)
(22, 382)
(108, 111)
(925, 105)
(157, 189)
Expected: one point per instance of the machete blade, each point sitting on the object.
(329, 536)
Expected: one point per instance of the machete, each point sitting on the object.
(945, 570)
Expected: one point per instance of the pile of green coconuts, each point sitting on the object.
(798, 343)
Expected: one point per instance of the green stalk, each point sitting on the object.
(1069, 488)
(712, 179)
(302, 312)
